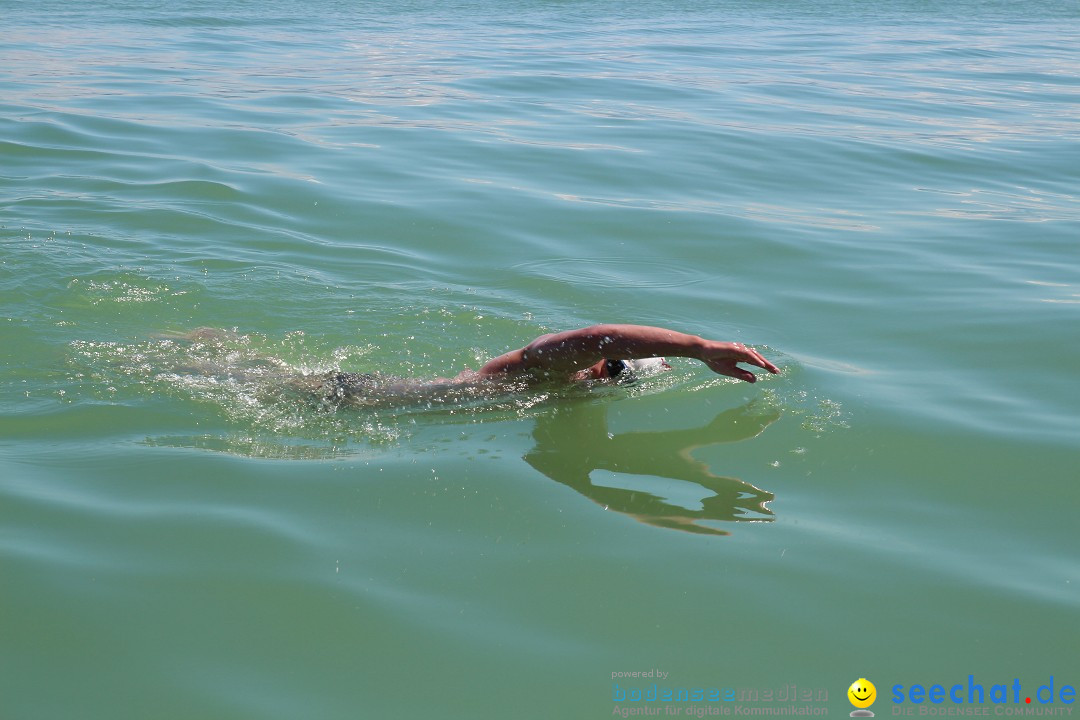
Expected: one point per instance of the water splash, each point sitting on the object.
(276, 394)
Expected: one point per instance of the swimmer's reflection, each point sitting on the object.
(573, 443)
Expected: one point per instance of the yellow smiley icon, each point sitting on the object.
(862, 693)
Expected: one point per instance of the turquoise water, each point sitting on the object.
(881, 199)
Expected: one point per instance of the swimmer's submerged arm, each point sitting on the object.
(574, 350)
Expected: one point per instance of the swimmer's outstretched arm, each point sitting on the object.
(585, 349)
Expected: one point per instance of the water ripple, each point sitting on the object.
(614, 272)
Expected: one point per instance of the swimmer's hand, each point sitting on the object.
(721, 357)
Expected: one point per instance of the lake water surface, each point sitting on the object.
(881, 198)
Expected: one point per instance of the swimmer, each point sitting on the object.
(598, 352)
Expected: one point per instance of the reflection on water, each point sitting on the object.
(574, 447)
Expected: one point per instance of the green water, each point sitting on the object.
(881, 199)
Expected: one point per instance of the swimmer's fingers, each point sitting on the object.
(723, 359)
(753, 357)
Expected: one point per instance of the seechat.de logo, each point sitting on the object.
(862, 695)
